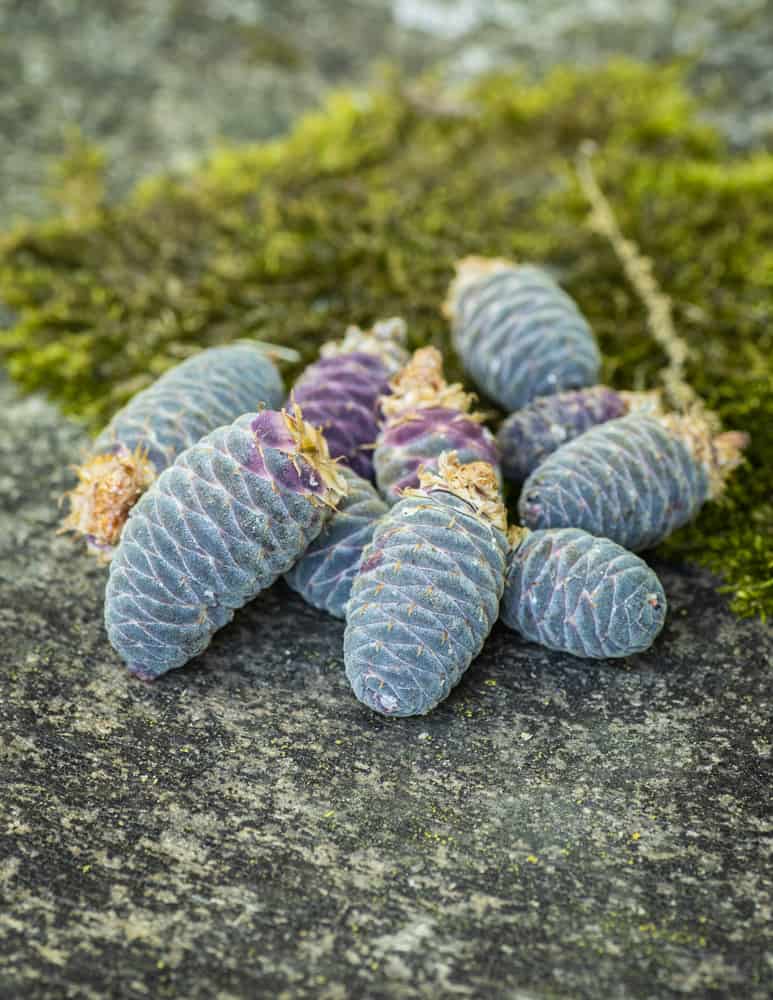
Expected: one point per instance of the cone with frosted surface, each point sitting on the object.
(208, 390)
(428, 590)
(518, 333)
(633, 480)
(231, 515)
(570, 591)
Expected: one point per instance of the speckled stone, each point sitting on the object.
(245, 828)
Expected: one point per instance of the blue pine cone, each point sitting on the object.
(324, 574)
(528, 436)
(425, 416)
(519, 335)
(428, 590)
(208, 390)
(231, 515)
(633, 480)
(573, 592)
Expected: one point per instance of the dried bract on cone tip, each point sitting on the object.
(310, 442)
(385, 339)
(108, 487)
(475, 483)
(468, 270)
(720, 455)
(516, 534)
(420, 385)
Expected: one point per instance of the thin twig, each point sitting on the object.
(639, 271)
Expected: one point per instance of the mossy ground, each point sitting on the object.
(360, 212)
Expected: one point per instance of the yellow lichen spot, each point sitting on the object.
(532, 859)
(635, 835)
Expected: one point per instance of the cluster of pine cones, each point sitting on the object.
(377, 494)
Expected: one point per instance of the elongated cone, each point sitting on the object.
(519, 335)
(340, 393)
(324, 574)
(231, 515)
(210, 389)
(570, 591)
(528, 436)
(428, 589)
(632, 480)
(425, 416)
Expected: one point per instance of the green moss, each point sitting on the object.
(361, 211)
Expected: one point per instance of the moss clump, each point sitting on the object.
(360, 213)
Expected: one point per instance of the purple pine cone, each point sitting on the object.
(340, 393)
(231, 515)
(519, 335)
(529, 435)
(632, 480)
(208, 390)
(425, 416)
(583, 595)
(418, 441)
(324, 574)
(428, 590)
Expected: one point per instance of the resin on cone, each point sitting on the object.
(340, 393)
(208, 390)
(231, 515)
(428, 590)
(634, 480)
(519, 335)
(423, 417)
(573, 592)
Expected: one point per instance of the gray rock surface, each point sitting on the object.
(244, 828)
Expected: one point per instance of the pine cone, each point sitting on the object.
(427, 592)
(529, 435)
(231, 515)
(567, 590)
(632, 480)
(324, 574)
(206, 391)
(518, 334)
(425, 416)
(340, 393)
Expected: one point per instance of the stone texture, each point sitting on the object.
(243, 827)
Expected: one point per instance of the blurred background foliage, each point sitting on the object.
(361, 209)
